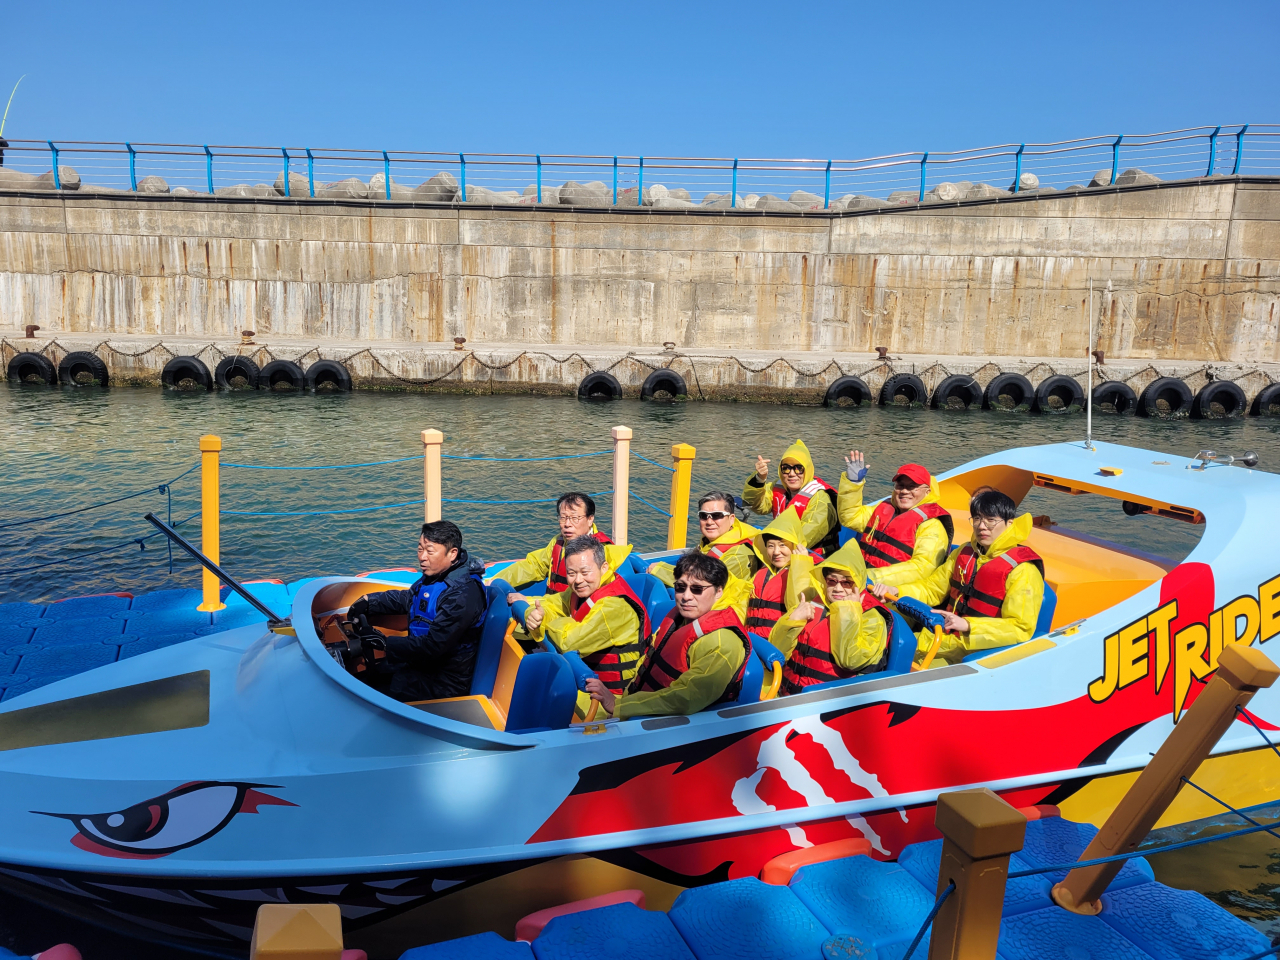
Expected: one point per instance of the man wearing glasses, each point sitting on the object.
(905, 537)
(577, 515)
(697, 656)
(989, 590)
(813, 498)
(724, 537)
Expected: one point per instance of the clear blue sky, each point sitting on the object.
(684, 79)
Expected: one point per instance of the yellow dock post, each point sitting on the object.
(210, 447)
(678, 526)
(431, 441)
(621, 482)
(979, 832)
(1242, 672)
(303, 931)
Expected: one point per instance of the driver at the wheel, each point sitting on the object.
(446, 609)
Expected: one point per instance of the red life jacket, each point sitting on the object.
(800, 500)
(890, 537)
(667, 657)
(983, 594)
(767, 603)
(608, 664)
(557, 579)
(718, 550)
(812, 661)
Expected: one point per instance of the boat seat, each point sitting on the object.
(902, 651)
(1043, 624)
(653, 593)
(544, 694)
(492, 631)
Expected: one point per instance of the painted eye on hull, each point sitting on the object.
(172, 821)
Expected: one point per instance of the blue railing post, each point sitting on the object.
(386, 173)
(1115, 158)
(133, 176)
(1213, 150)
(640, 190)
(311, 174)
(57, 180)
(615, 181)
(826, 195)
(1017, 168)
(285, 154)
(733, 194)
(1239, 149)
(208, 167)
(538, 158)
(462, 162)
(923, 160)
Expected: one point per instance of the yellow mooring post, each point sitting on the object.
(979, 832)
(678, 526)
(431, 441)
(621, 482)
(1242, 672)
(302, 931)
(210, 447)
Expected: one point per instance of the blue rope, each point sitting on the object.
(649, 505)
(329, 466)
(571, 456)
(162, 488)
(1243, 816)
(503, 503)
(321, 513)
(1240, 710)
(654, 462)
(140, 541)
(937, 905)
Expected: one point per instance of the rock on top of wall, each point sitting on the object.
(805, 200)
(298, 185)
(550, 194)
(904, 196)
(1028, 181)
(67, 177)
(247, 190)
(378, 188)
(679, 193)
(479, 194)
(593, 194)
(16, 179)
(441, 188)
(153, 184)
(1134, 176)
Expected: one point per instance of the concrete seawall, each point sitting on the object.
(1184, 274)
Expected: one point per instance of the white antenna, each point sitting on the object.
(1088, 400)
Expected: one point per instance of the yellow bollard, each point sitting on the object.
(1242, 672)
(210, 447)
(431, 441)
(979, 832)
(302, 931)
(621, 482)
(678, 526)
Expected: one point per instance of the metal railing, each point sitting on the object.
(730, 182)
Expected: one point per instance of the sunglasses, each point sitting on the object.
(791, 468)
(709, 515)
(697, 589)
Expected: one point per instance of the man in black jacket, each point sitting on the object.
(446, 609)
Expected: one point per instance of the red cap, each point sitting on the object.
(914, 472)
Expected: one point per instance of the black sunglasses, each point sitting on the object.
(697, 589)
(791, 468)
(709, 515)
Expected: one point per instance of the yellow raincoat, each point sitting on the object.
(787, 526)
(741, 560)
(819, 517)
(931, 544)
(537, 565)
(859, 638)
(1018, 614)
(713, 660)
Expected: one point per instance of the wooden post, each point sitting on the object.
(297, 931)
(210, 448)
(979, 832)
(621, 482)
(1242, 672)
(431, 441)
(678, 526)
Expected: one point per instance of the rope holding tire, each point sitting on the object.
(903, 389)
(1165, 397)
(80, 368)
(1008, 391)
(1115, 396)
(599, 386)
(956, 392)
(664, 380)
(1058, 394)
(848, 391)
(186, 370)
(236, 373)
(32, 368)
(328, 375)
(282, 375)
(1218, 400)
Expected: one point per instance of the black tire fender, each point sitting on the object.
(960, 387)
(1173, 392)
(599, 386)
(1228, 397)
(186, 368)
(236, 368)
(326, 374)
(1014, 387)
(1267, 401)
(1066, 390)
(1118, 395)
(664, 379)
(851, 388)
(282, 375)
(32, 368)
(906, 385)
(80, 368)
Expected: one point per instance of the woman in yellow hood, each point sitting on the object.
(813, 498)
(843, 633)
(783, 577)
